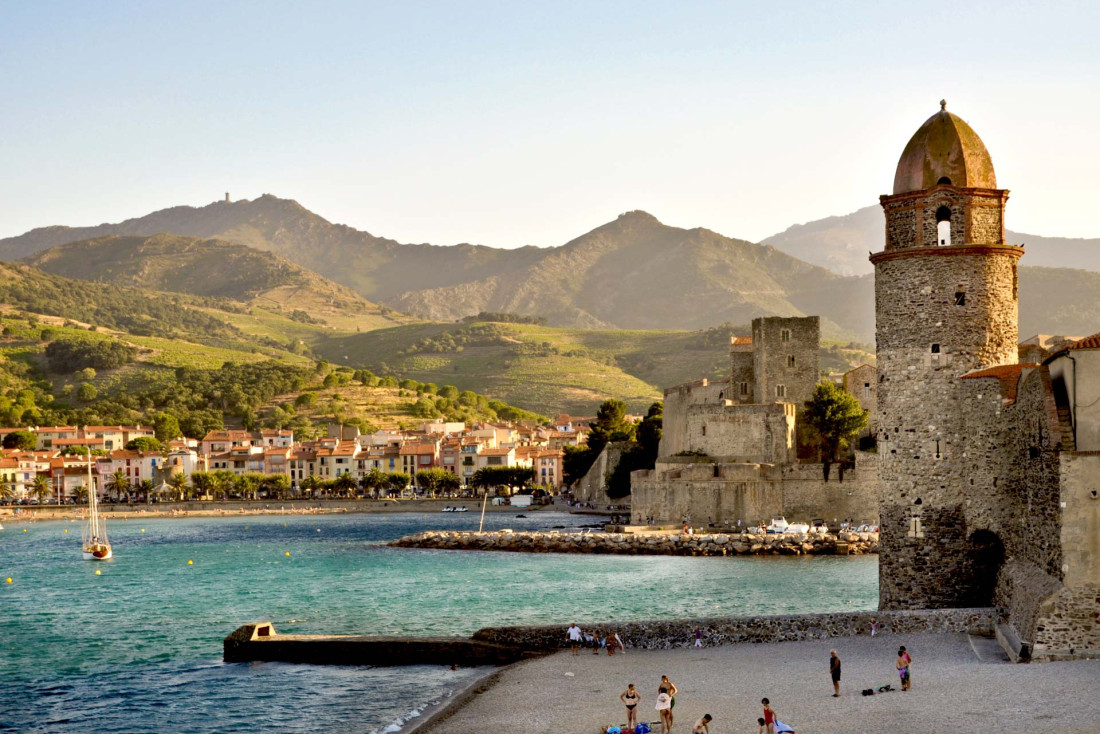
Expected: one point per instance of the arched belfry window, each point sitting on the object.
(944, 180)
(943, 225)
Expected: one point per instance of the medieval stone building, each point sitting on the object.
(985, 496)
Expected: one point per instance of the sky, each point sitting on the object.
(523, 123)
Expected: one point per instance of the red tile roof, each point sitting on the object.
(1008, 374)
(741, 340)
(1089, 342)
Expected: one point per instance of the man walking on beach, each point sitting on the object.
(574, 637)
(834, 671)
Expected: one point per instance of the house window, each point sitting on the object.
(781, 391)
(744, 388)
(785, 335)
(790, 360)
(935, 349)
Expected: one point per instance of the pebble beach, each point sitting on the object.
(960, 685)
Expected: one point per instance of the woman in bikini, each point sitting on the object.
(664, 708)
(630, 699)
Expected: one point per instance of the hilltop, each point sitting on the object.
(218, 269)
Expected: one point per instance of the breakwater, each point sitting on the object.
(710, 544)
(668, 634)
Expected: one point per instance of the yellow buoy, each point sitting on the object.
(24, 530)
(7, 580)
(288, 553)
(97, 572)
(66, 530)
(190, 563)
(143, 530)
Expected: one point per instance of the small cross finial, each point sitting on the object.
(943, 105)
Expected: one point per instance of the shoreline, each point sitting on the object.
(451, 705)
(44, 513)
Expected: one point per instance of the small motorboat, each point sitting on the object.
(777, 525)
(455, 509)
(819, 527)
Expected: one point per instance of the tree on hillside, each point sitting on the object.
(143, 443)
(610, 425)
(22, 440)
(436, 480)
(836, 417)
(166, 427)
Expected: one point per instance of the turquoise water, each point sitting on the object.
(138, 647)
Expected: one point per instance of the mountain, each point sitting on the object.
(842, 244)
(375, 267)
(214, 268)
(637, 273)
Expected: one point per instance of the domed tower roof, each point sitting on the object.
(944, 147)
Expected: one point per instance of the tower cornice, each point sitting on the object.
(1015, 251)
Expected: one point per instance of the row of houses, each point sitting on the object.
(453, 447)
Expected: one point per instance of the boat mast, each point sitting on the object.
(93, 510)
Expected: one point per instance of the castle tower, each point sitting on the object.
(945, 304)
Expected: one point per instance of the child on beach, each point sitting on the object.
(698, 637)
(702, 726)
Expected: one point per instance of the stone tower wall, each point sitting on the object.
(927, 337)
(771, 358)
(741, 366)
(977, 217)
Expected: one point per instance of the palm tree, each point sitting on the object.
(80, 494)
(7, 491)
(41, 488)
(178, 483)
(145, 486)
(203, 482)
(345, 483)
(118, 483)
(310, 484)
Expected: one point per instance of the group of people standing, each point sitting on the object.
(611, 641)
(902, 663)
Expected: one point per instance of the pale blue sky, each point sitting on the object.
(516, 123)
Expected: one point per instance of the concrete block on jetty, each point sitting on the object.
(259, 641)
(669, 544)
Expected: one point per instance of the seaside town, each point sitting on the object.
(461, 439)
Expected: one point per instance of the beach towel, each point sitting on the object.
(781, 728)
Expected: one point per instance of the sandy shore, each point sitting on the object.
(261, 507)
(959, 686)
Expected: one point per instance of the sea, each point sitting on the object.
(137, 646)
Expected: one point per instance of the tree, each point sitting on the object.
(277, 485)
(166, 427)
(650, 430)
(86, 393)
(144, 487)
(375, 480)
(436, 480)
(610, 425)
(41, 488)
(223, 481)
(836, 417)
(310, 484)
(143, 443)
(178, 483)
(203, 482)
(118, 483)
(399, 481)
(346, 483)
(80, 494)
(22, 440)
(247, 485)
(505, 477)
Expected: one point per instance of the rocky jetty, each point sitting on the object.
(708, 544)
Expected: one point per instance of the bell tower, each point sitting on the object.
(945, 304)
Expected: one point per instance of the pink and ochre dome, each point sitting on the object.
(944, 150)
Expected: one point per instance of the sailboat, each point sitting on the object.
(96, 545)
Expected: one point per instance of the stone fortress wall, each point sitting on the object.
(785, 358)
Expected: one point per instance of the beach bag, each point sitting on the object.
(868, 691)
(642, 728)
(614, 730)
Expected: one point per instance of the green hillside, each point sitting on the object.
(549, 369)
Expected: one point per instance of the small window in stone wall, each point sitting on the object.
(935, 349)
(704, 429)
(781, 391)
(744, 388)
(790, 360)
(785, 335)
(960, 298)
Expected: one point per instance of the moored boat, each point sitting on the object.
(96, 546)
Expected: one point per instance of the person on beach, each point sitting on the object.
(664, 709)
(698, 637)
(702, 726)
(672, 691)
(574, 635)
(874, 626)
(630, 699)
(598, 643)
(834, 671)
(619, 643)
(904, 661)
(768, 721)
